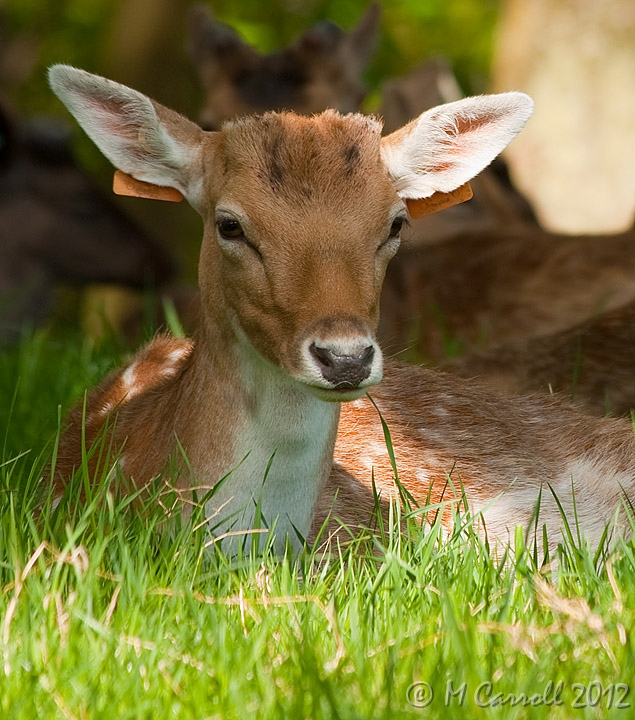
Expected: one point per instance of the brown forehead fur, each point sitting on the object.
(313, 153)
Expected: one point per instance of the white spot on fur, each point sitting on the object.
(128, 377)
(173, 362)
(374, 454)
(423, 477)
(177, 355)
(105, 409)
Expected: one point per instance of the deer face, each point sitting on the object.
(301, 214)
(302, 227)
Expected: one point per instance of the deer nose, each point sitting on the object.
(346, 372)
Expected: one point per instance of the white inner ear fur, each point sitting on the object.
(448, 145)
(129, 128)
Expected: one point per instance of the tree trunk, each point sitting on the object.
(575, 160)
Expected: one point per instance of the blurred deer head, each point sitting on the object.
(321, 69)
(56, 225)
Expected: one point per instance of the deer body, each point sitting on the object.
(301, 217)
(502, 285)
(509, 455)
(592, 362)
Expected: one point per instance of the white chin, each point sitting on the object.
(333, 395)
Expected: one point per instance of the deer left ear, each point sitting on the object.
(448, 145)
(141, 137)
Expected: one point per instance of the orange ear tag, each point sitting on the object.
(124, 184)
(438, 201)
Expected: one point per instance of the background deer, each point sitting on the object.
(57, 226)
(301, 217)
(501, 281)
(322, 69)
(498, 286)
(591, 363)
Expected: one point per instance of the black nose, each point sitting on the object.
(346, 372)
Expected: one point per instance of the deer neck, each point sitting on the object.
(267, 430)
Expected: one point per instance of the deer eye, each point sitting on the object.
(230, 229)
(396, 227)
(393, 239)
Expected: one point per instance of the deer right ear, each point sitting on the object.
(450, 144)
(211, 44)
(363, 38)
(139, 136)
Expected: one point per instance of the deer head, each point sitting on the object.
(301, 214)
(321, 69)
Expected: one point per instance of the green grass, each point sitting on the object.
(114, 611)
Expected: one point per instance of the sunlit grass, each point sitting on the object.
(114, 606)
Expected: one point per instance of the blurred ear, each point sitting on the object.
(363, 39)
(214, 45)
(319, 40)
(139, 136)
(356, 47)
(448, 145)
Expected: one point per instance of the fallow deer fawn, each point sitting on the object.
(301, 217)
